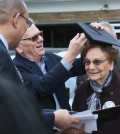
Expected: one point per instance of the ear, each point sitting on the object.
(16, 20)
(112, 66)
(18, 50)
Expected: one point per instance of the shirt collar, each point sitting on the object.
(42, 60)
(4, 41)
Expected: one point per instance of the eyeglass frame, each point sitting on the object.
(94, 62)
(29, 23)
(35, 36)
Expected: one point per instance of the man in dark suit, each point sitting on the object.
(44, 73)
(13, 24)
(15, 105)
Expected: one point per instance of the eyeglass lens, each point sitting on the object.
(37, 36)
(95, 62)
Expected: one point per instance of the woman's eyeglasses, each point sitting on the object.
(94, 62)
(35, 38)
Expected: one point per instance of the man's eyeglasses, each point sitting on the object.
(94, 62)
(35, 38)
(29, 23)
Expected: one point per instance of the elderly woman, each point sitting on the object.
(102, 89)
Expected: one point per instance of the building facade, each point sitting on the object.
(58, 18)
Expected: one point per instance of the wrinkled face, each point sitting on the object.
(32, 44)
(97, 65)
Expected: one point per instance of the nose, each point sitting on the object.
(40, 38)
(91, 66)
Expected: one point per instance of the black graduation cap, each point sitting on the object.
(98, 35)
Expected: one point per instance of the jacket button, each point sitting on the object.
(111, 93)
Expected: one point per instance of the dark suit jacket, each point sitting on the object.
(7, 67)
(53, 82)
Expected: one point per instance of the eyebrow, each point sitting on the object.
(95, 58)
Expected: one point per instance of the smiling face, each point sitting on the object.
(31, 45)
(97, 64)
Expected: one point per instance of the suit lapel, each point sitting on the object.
(12, 70)
(31, 66)
(48, 63)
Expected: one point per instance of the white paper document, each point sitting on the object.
(88, 118)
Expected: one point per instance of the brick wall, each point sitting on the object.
(75, 16)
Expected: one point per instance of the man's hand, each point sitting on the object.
(64, 120)
(75, 47)
(97, 25)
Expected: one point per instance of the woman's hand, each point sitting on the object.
(74, 130)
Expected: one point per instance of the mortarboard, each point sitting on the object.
(108, 114)
(98, 35)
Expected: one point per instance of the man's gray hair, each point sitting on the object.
(110, 27)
